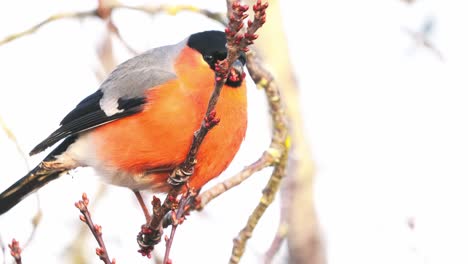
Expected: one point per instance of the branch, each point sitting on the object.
(15, 251)
(278, 147)
(106, 12)
(101, 251)
(174, 10)
(151, 233)
(277, 241)
(45, 22)
(304, 241)
(38, 216)
(186, 204)
(266, 160)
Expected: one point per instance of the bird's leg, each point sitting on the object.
(143, 206)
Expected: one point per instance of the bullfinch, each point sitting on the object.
(138, 126)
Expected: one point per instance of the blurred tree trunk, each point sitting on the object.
(305, 245)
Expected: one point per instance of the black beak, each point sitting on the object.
(236, 74)
(238, 66)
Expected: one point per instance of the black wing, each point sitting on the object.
(88, 114)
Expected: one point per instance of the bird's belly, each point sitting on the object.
(124, 151)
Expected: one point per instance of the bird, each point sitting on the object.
(139, 124)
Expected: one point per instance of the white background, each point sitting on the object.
(386, 119)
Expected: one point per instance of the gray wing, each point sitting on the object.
(122, 94)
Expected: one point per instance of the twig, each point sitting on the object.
(277, 242)
(76, 249)
(186, 204)
(38, 216)
(279, 146)
(174, 10)
(151, 234)
(45, 22)
(268, 196)
(15, 251)
(85, 216)
(13, 139)
(153, 10)
(207, 196)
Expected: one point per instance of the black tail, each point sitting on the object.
(34, 180)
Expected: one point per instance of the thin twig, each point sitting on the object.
(268, 196)
(77, 248)
(13, 139)
(174, 10)
(153, 10)
(277, 242)
(151, 234)
(38, 216)
(85, 216)
(207, 196)
(45, 22)
(279, 146)
(186, 204)
(15, 251)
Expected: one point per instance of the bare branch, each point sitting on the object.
(207, 196)
(186, 204)
(278, 149)
(106, 12)
(85, 216)
(151, 234)
(15, 251)
(38, 216)
(277, 242)
(45, 22)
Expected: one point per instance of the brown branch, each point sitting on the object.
(186, 204)
(85, 216)
(107, 12)
(279, 149)
(268, 196)
(151, 234)
(15, 251)
(207, 196)
(76, 249)
(174, 10)
(304, 241)
(45, 22)
(277, 242)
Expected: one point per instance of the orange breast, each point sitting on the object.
(161, 135)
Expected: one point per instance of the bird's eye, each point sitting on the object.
(208, 58)
(243, 58)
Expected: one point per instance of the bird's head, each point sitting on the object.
(212, 47)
